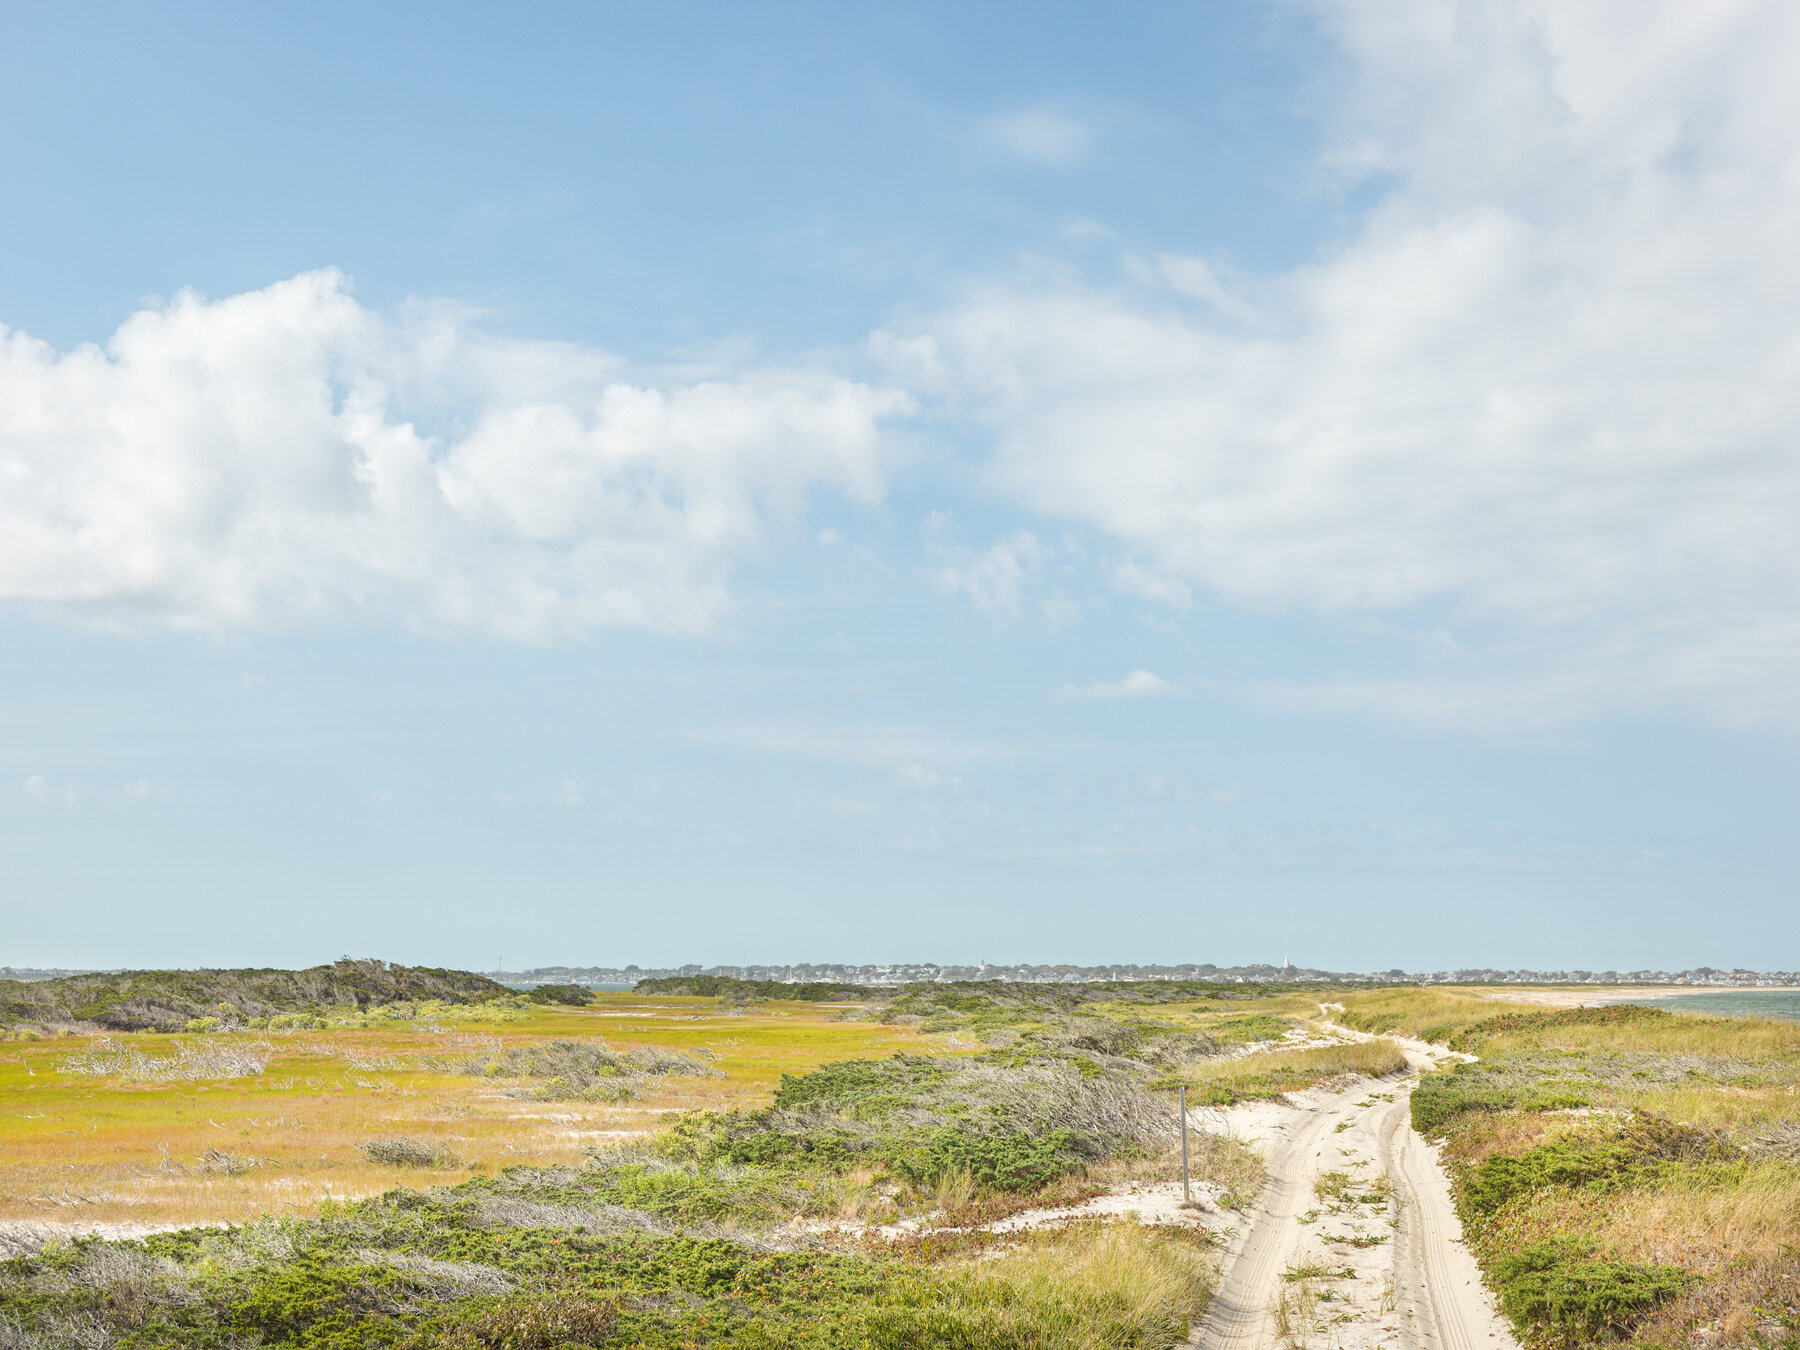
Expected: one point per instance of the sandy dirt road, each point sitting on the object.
(1388, 1269)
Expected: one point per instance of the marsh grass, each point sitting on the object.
(324, 1092)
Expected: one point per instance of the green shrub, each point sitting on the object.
(1569, 1161)
(1441, 1097)
(1559, 1287)
(863, 1088)
(316, 1296)
(1012, 1162)
(1647, 1144)
(564, 995)
(200, 1024)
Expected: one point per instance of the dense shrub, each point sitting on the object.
(1013, 1162)
(861, 1087)
(1645, 1145)
(565, 995)
(165, 1000)
(1558, 1287)
(756, 991)
(1439, 1098)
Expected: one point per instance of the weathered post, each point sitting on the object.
(1186, 1196)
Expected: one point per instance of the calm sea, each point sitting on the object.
(1762, 1002)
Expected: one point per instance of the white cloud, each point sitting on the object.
(288, 456)
(1040, 133)
(1547, 396)
(1138, 684)
(993, 580)
(1129, 578)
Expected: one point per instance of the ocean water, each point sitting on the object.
(1757, 1002)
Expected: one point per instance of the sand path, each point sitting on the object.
(1391, 1270)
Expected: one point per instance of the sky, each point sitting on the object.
(600, 484)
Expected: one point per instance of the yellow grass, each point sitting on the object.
(100, 1149)
(1272, 1072)
(1749, 1038)
(1687, 1215)
(1411, 1011)
(1091, 1287)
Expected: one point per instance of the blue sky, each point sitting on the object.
(1169, 482)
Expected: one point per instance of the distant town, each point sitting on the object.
(927, 972)
(930, 973)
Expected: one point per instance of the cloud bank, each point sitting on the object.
(288, 456)
(1547, 394)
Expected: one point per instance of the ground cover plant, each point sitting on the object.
(688, 1237)
(1623, 1173)
(444, 1269)
(626, 1168)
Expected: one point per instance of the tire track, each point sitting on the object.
(1424, 1290)
(1238, 1316)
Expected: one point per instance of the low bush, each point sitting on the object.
(408, 1153)
(1559, 1288)
(1013, 1162)
(1646, 1145)
(1440, 1098)
(587, 1070)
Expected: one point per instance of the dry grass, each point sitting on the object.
(1089, 1287)
(1411, 1011)
(1275, 1072)
(1681, 1033)
(1233, 1165)
(1690, 1219)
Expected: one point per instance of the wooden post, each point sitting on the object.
(1186, 1195)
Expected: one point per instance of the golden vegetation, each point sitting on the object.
(1272, 1073)
(81, 1146)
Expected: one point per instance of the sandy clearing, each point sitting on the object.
(1154, 1202)
(1391, 1272)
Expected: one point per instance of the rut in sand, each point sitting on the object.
(1354, 1243)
